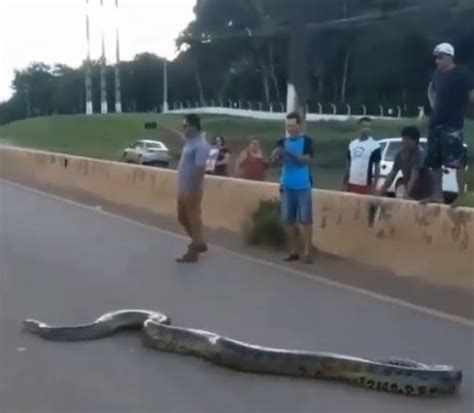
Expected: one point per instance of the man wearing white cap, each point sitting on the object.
(449, 93)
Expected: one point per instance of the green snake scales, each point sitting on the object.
(393, 376)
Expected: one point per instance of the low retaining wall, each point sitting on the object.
(434, 243)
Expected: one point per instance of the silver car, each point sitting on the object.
(147, 152)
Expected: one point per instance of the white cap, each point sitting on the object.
(444, 48)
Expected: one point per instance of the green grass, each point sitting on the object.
(106, 136)
(94, 136)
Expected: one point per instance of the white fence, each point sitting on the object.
(272, 115)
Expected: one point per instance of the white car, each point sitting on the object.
(147, 152)
(390, 147)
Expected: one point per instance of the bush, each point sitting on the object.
(266, 228)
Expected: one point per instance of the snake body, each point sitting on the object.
(104, 326)
(394, 376)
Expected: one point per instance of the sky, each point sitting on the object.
(53, 31)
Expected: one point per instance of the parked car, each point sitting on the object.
(390, 147)
(147, 152)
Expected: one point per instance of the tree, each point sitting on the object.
(367, 52)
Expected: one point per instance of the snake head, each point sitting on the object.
(33, 326)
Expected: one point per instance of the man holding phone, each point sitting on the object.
(296, 153)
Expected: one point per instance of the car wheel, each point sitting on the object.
(161, 164)
(400, 190)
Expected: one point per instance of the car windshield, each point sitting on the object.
(152, 145)
(392, 150)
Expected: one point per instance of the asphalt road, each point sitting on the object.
(66, 264)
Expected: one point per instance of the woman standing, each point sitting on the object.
(250, 163)
(223, 160)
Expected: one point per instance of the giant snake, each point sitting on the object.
(394, 376)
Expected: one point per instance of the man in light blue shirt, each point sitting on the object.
(191, 173)
(296, 153)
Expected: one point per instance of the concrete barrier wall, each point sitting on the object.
(435, 243)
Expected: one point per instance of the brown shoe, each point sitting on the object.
(200, 248)
(188, 258)
(291, 258)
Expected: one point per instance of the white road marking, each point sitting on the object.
(312, 277)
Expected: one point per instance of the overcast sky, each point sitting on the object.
(53, 31)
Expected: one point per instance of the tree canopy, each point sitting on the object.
(367, 52)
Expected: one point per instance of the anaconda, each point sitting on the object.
(391, 375)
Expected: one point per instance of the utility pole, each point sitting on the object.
(88, 79)
(298, 84)
(165, 86)
(103, 80)
(118, 87)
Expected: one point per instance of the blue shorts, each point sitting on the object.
(297, 206)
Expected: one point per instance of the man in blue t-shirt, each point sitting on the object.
(296, 153)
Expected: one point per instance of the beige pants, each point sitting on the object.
(189, 216)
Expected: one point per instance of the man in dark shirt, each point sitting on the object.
(417, 178)
(449, 93)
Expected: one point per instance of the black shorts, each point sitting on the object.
(446, 148)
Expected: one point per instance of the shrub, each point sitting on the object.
(266, 228)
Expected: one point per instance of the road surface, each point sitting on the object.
(64, 263)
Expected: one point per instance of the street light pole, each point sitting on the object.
(165, 86)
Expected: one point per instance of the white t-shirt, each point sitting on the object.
(211, 161)
(363, 156)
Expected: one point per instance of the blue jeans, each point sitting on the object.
(297, 206)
